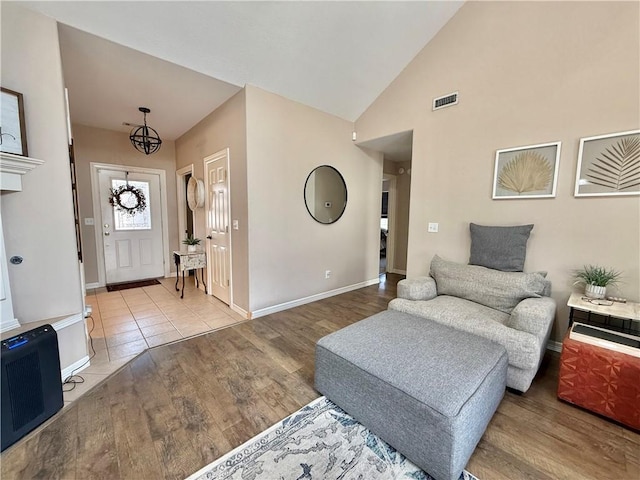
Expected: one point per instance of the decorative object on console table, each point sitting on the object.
(13, 132)
(609, 165)
(596, 279)
(186, 261)
(526, 172)
(192, 243)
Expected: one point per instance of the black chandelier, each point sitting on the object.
(145, 138)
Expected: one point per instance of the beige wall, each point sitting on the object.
(289, 251)
(110, 147)
(38, 222)
(527, 73)
(225, 127)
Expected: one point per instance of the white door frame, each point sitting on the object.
(97, 213)
(182, 203)
(391, 217)
(219, 156)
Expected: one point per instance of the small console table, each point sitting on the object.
(186, 261)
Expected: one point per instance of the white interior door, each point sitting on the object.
(133, 244)
(218, 237)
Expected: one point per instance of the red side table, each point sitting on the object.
(601, 380)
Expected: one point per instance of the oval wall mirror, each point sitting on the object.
(325, 194)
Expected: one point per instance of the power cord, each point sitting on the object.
(72, 379)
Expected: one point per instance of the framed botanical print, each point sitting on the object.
(609, 165)
(526, 172)
(13, 137)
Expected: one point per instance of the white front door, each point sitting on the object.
(218, 237)
(133, 245)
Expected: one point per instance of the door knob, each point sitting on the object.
(106, 234)
(209, 237)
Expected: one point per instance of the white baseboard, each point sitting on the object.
(554, 346)
(91, 286)
(9, 325)
(399, 272)
(75, 367)
(65, 322)
(303, 301)
(241, 311)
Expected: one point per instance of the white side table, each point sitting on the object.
(186, 261)
(626, 313)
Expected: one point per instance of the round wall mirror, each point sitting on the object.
(325, 194)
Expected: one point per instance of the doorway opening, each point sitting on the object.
(395, 190)
(188, 214)
(384, 228)
(387, 221)
(185, 214)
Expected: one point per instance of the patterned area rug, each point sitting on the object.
(114, 287)
(318, 442)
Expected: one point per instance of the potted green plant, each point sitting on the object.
(191, 242)
(596, 279)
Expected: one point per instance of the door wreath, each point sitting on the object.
(128, 199)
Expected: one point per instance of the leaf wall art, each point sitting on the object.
(609, 165)
(526, 172)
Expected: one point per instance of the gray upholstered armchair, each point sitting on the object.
(513, 309)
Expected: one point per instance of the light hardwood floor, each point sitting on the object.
(177, 407)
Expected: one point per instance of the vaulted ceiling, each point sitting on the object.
(182, 59)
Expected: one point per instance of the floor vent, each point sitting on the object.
(445, 101)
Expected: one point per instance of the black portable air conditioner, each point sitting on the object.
(31, 385)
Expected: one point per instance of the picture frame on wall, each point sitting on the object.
(609, 165)
(526, 172)
(13, 136)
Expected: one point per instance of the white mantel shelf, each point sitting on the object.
(12, 167)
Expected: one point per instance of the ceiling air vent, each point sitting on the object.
(445, 101)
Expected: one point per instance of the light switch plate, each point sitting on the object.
(235, 225)
(88, 221)
(433, 228)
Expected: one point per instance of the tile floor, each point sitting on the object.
(127, 322)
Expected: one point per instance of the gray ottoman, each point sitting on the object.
(426, 389)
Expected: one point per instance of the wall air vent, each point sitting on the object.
(445, 101)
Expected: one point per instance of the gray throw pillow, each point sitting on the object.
(500, 248)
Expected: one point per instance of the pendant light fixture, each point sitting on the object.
(145, 138)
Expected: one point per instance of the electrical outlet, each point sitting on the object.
(433, 228)
(327, 274)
